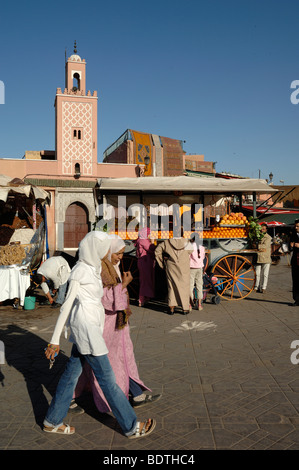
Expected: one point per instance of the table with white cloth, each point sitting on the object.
(14, 282)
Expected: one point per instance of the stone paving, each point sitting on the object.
(225, 373)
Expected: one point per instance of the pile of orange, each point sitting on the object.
(234, 218)
(225, 232)
(216, 232)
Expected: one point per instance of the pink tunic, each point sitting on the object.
(145, 252)
(120, 347)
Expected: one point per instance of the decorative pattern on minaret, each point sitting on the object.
(77, 115)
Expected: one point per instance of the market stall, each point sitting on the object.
(212, 205)
(22, 234)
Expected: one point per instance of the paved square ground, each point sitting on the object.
(225, 373)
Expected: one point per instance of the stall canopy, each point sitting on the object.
(186, 184)
(15, 185)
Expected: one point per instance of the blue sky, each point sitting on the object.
(215, 73)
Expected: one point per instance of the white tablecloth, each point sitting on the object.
(14, 281)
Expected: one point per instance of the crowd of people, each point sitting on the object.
(94, 303)
(183, 263)
(294, 246)
(288, 244)
(184, 260)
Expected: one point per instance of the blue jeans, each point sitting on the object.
(61, 293)
(104, 374)
(134, 388)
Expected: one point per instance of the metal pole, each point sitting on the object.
(254, 204)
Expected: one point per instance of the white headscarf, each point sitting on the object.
(93, 248)
(117, 244)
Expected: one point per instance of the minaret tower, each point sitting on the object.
(76, 122)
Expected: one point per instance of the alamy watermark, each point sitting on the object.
(294, 95)
(187, 219)
(2, 353)
(295, 354)
(2, 92)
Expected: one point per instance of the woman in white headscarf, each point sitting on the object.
(86, 316)
(117, 336)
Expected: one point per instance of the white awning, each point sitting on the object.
(186, 184)
(8, 185)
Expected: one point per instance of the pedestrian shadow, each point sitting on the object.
(25, 352)
(268, 301)
(1, 378)
(86, 402)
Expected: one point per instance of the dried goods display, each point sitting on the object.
(12, 254)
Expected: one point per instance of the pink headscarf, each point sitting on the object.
(144, 233)
(142, 243)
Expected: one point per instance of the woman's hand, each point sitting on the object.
(51, 350)
(127, 278)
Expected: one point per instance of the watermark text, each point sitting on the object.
(295, 94)
(174, 221)
(2, 92)
(2, 353)
(295, 354)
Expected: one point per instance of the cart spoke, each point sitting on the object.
(240, 267)
(239, 290)
(240, 282)
(228, 284)
(233, 286)
(235, 270)
(224, 270)
(229, 268)
(222, 282)
(245, 272)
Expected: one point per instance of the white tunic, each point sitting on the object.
(85, 311)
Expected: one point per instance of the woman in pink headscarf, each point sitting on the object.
(116, 336)
(145, 252)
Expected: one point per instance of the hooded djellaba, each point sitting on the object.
(173, 255)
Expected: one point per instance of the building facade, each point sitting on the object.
(155, 155)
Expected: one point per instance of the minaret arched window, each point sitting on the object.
(77, 170)
(76, 82)
(77, 134)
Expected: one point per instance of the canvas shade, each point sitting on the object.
(185, 184)
(10, 185)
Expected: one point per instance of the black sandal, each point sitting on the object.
(147, 399)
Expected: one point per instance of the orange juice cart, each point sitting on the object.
(221, 223)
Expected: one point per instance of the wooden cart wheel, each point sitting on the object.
(236, 277)
(129, 263)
